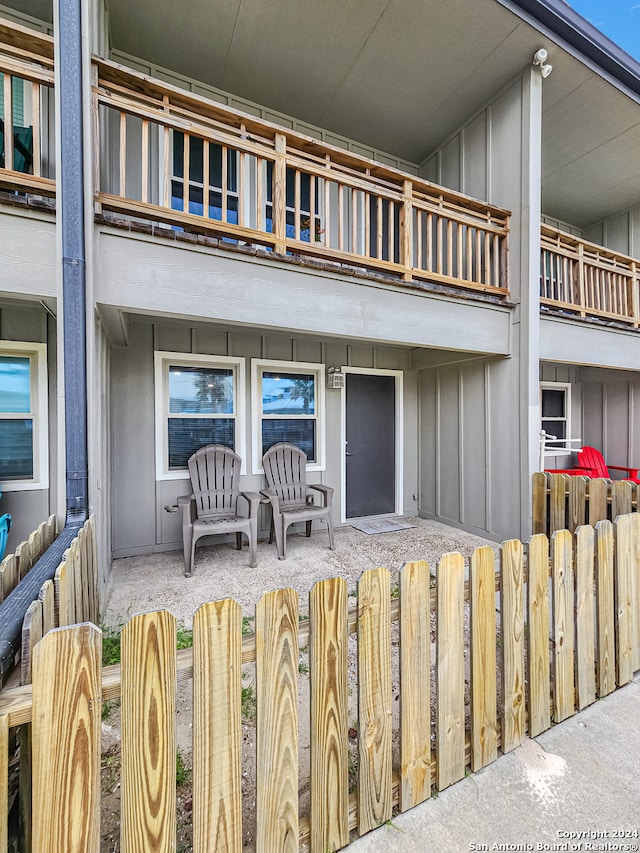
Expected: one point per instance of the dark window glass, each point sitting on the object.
(288, 393)
(553, 403)
(16, 449)
(186, 435)
(200, 390)
(296, 431)
(556, 428)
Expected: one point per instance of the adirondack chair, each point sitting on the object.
(212, 508)
(592, 459)
(288, 492)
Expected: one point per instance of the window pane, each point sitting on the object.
(16, 455)
(556, 428)
(15, 395)
(200, 390)
(186, 435)
(288, 393)
(299, 432)
(553, 403)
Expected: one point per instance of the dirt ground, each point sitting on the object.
(152, 582)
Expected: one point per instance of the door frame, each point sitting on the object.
(399, 448)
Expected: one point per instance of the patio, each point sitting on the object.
(155, 581)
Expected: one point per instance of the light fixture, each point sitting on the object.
(335, 378)
(539, 61)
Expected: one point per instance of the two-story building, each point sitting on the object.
(399, 233)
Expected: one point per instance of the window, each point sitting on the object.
(23, 416)
(288, 405)
(555, 408)
(199, 400)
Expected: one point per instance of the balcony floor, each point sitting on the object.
(156, 581)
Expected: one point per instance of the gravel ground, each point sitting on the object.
(156, 581)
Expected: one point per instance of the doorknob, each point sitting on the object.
(346, 453)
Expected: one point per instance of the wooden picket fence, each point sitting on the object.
(564, 631)
(15, 566)
(70, 598)
(565, 502)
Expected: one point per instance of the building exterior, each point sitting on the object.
(388, 232)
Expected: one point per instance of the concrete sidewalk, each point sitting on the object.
(576, 787)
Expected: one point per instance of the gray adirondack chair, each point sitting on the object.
(213, 506)
(285, 467)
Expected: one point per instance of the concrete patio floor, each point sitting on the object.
(156, 581)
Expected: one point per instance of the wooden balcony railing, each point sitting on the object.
(26, 118)
(587, 279)
(167, 155)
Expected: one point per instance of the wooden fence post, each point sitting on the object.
(415, 687)
(605, 607)
(512, 629)
(538, 614)
(450, 670)
(374, 700)
(277, 722)
(67, 715)
(540, 482)
(563, 624)
(624, 598)
(585, 617)
(329, 777)
(484, 713)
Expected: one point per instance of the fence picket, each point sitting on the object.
(585, 618)
(538, 614)
(635, 585)
(4, 783)
(597, 501)
(217, 728)
(577, 502)
(277, 722)
(623, 599)
(148, 656)
(563, 625)
(8, 576)
(621, 493)
(46, 597)
(374, 700)
(415, 686)
(61, 588)
(558, 502)
(484, 713)
(539, 502)
(31, 634)
(329, 776)
(605, 608)
(67, 705)
(512, 629)
(450, 735)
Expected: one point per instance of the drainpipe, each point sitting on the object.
(70, 221)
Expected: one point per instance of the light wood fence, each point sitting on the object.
(15, 566)
(567, 631)
(562, 501)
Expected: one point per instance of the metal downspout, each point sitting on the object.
(70, 213)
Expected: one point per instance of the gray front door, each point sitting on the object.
(371, 444)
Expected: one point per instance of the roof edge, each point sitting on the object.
(558, 17)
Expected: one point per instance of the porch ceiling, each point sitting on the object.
(398, 75)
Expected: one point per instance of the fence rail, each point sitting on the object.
(578, 595)
(561, 501)
(174, 157)
(15, 566)
(587, 279)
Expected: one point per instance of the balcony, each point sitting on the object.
(586, 280)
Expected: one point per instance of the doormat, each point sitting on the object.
(382, 525)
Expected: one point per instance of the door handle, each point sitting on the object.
(346, 453)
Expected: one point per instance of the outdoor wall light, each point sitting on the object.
(539, 60)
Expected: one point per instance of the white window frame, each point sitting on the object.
(558, 386)
(260, 365)
(162, 361)
(39, 414)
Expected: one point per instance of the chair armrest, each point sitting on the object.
(632, 472)
(253, 500)
(326, 491)
(187, 503)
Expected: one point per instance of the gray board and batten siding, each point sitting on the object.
(140, 523)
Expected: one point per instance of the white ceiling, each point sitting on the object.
(397, 75)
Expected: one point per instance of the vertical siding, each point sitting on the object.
(469, 448)
(611, 416)
(620, 232)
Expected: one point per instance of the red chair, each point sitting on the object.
(590, 459)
